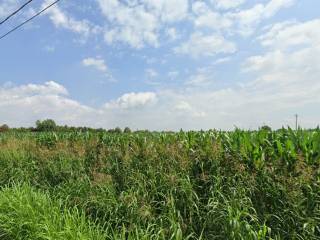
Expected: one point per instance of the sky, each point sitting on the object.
(162, 64)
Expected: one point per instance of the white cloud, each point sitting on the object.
(173, 74)
(289, 79)
(185, 108)
(204, 77)
(23, 105)
(132, 101)
(248, 19)
(151, 73)
(62, 19)
(227, 4)
(139, 23)
(205, 45)
(151, 22)
(7, 6)
(168, 10)
(235, 21)
(97, 63)
(172, 33)
(100, 65)
(49, 48)
(222, 60)
(285, 81)
(272, 7)
(132, 25)
(206, 17)
(48, 88)
(288, 34)
(199, 7)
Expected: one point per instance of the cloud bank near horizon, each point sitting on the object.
(206, 64)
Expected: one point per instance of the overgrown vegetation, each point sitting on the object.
(4, 128)
(30, 214)
(46, 125)
(188, 185)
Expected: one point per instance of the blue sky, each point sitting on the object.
(162, 64)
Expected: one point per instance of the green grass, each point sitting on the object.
(26, 213)
(186, 185)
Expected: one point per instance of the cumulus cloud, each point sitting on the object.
(48, 88)
(281, 79)
(132, 24)
(200, 79)
(173, 74)
(172, 33)
(227, 4)
(7, 6)
(206, 17)
(247, 19)
(143, 23)
(139, 23)
(133, 101)
(284, 77)
(23, 105)
(97, 63)
(287, 34)
(206, 45)
(290, 64)
(151, 73)
(222, 60)
(62, 19)
(236, 21)
(213, 27)
(185, 108)
(168, 10)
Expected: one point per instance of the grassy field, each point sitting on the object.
(185, 185)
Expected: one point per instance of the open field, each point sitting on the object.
(186, 185)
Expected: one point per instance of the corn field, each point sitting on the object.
(249, 185)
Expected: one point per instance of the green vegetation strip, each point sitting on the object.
(29, 214)
(87, 184)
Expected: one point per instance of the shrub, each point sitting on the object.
(266, 128)
(4, 128)
(127, 130)
(116, 130)
(29, 214)
(46, 125)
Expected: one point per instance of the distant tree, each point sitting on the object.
(4, 128)
(127, 130)
(117, 130)
(266, 128)
(101, 130)
(46, 125)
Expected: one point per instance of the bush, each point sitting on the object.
(116, 130)
(127, 130)
(29, 214)
(46, 125)
(4, 128)
(266, 128)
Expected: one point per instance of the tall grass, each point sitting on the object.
(186, 185)
(29, 214)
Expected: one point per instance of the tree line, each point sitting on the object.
(49, 125)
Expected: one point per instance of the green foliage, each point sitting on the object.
(266, 128)
(116, 130)
(146, 185)
(46, 125)
(127, 130)
(4, 128)
(29, 214)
